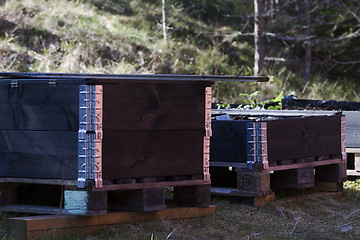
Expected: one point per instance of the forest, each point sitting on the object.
(310, 48)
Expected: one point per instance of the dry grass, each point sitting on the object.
(330, 216)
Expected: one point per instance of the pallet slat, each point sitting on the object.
(39, 226)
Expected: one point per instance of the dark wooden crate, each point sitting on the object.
(252, 158)
(352, 115)
(149, 129)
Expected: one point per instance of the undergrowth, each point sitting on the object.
(104, 36)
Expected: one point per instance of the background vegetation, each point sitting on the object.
(205, 37)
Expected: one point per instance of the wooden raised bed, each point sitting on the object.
(250, 158)
(351, 110)
(99, 142)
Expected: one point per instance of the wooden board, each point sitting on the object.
(154, 107)
(133, 154)
(38, 154)
(303, 137)
(39, 107)
(55, 226)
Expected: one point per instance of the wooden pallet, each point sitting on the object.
(142, 194)
(36, 227)
(256, 187)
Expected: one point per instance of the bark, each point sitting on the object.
(259, 37)
(307, 43)
(164, 20)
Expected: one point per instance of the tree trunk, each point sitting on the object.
(259, 37)
(307, 42)
(164, 20)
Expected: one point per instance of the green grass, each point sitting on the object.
(104, 36)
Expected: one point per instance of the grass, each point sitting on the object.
(321, 217)
(104, 36)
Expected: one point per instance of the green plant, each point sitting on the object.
(252, 102)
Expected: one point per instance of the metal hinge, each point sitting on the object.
(90, 135)
(257, 144)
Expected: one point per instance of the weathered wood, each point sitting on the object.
(258, 200)
(133, 154)
(154, 107)
(253, 183)
(35, 227)
(85, 202)
(305, 137)
(331, 172)
(143, 200)
(306, 164)
(293, 179)
(130, 186)
(192, 196)
(329, 186)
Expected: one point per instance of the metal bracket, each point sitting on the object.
(14, 83)
(257, 144)
(52, 83)
(90, 135)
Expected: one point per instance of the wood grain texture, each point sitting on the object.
(153, 107)
(303, 137)
(38, 154)
(134, 154)
(35, 227)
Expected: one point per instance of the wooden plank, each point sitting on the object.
(357, 162)
(39, 181)
(352, 150)
(154, 107)
(39, 154)
(293, 179)
(304, 165)
(133, 186)
(303, 137)
(40, 107)
(228, 164)
(142, 200)
(258, 200)
(193, 196)
(352, 173)
(273, 113)
(40, 226)
(135, 154)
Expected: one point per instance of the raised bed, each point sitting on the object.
(351, 110)
(100, 142)
(251, 158)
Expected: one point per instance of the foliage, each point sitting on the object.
(206, 37)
